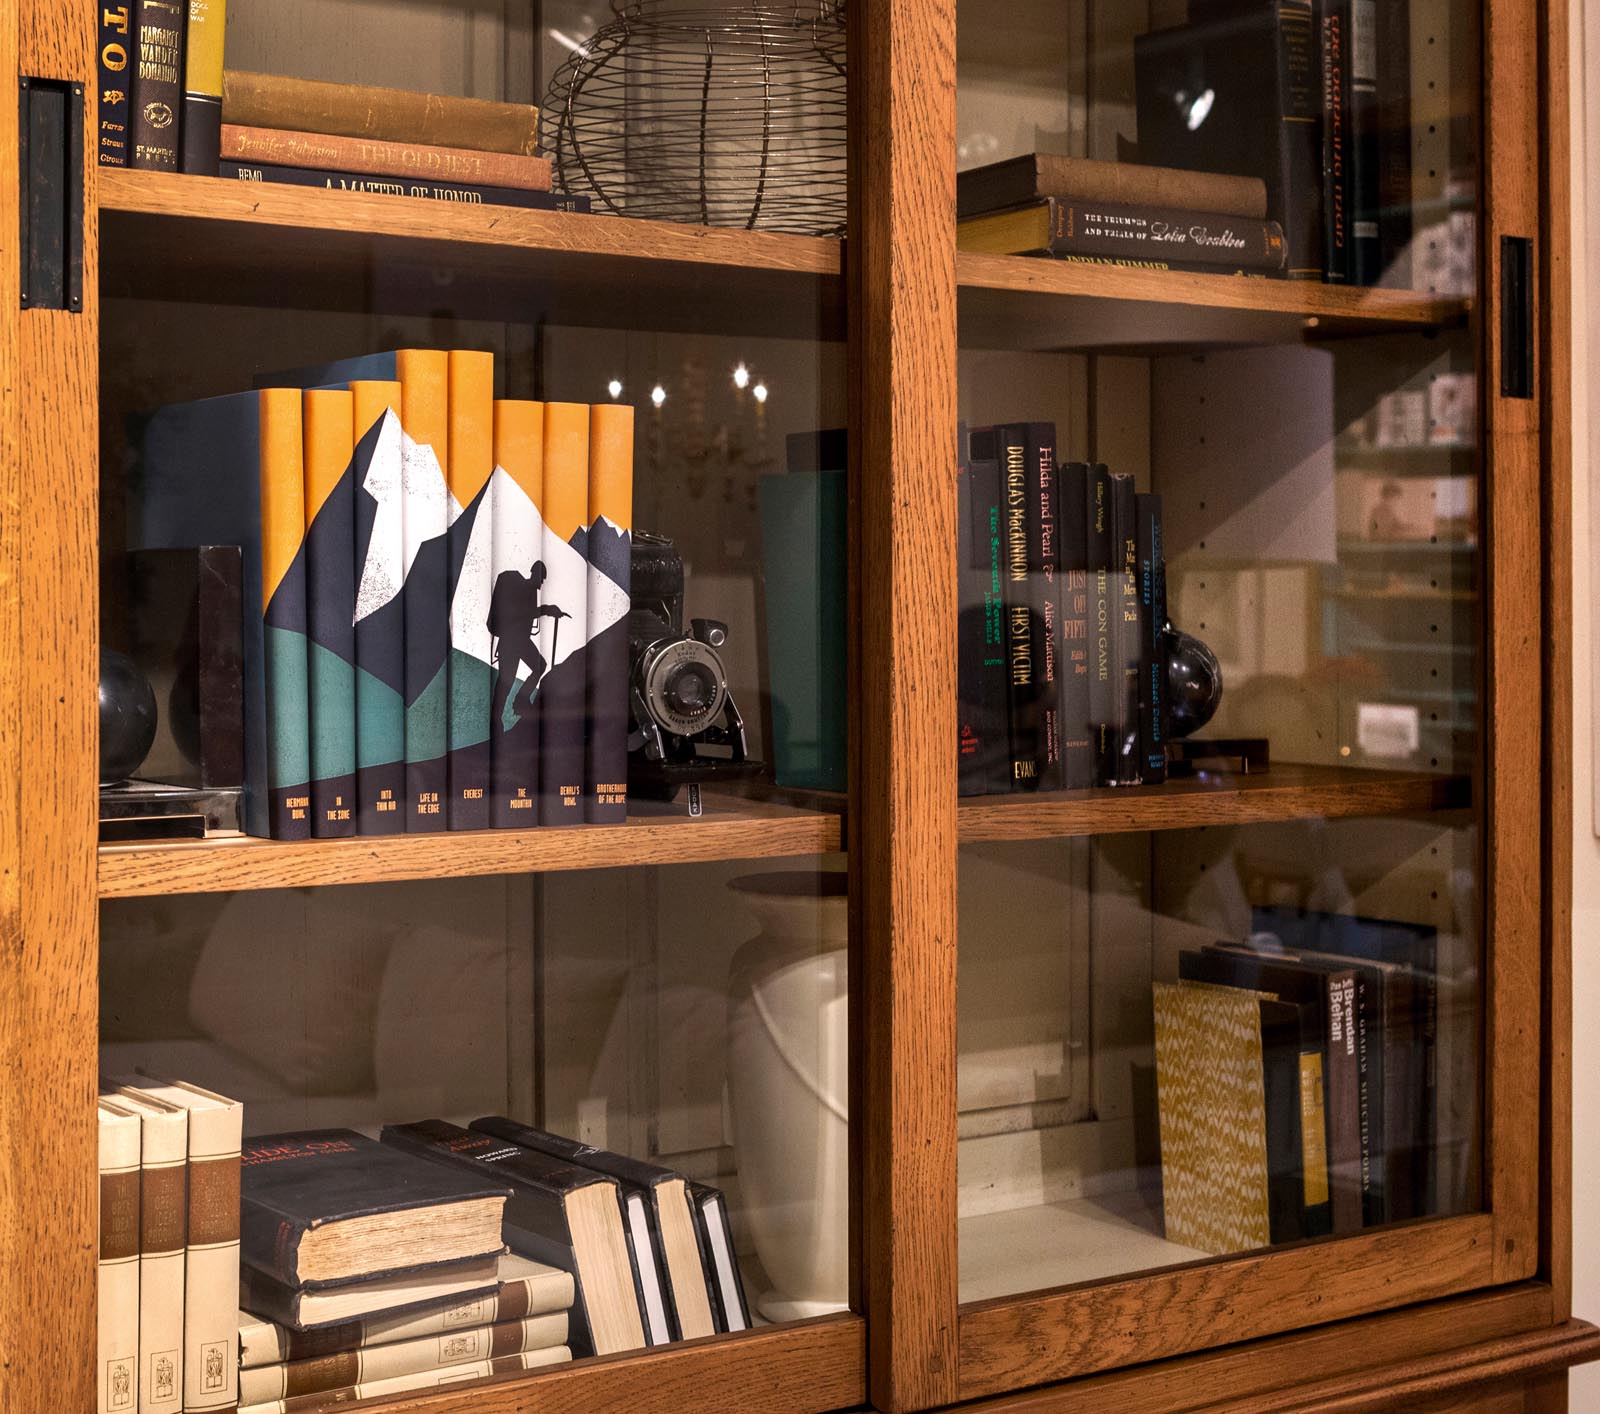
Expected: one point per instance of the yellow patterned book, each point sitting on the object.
(1212, 1096)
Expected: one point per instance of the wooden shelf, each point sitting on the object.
(1034, 303)
(729, 829)
(1285, 792)
(231, 242)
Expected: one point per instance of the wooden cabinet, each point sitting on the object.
(1005, 1241)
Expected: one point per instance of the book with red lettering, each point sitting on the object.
(327, 1206)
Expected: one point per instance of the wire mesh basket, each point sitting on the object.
(726, 116)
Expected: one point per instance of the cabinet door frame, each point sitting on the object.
(1520, 1234)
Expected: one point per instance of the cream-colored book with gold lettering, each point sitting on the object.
(163, 1191)
(211, 1254)
(117, 1370)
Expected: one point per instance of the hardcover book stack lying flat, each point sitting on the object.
(1061, 642)
(436, 591)
(169, 1246)
(367, 1268)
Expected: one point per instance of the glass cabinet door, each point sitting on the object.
(1227, 510)
(661, 987)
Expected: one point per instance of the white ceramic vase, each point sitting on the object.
(788, 1057)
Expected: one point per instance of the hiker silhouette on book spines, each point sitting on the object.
(514, 609)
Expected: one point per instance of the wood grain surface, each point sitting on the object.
(1513, 700)
(49, 1012)
(729, 829)
(213, 239)
(802, 1368)
(1286, 792)
(1012, 1342)
(902, 294)
(1555, 1137)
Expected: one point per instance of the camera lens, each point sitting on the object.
(688, 690)
(682, 684)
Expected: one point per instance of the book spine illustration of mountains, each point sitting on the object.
(1043, 547)
(1129, 639)
(471, 544)
(202, 87)
(157, 86)
(561, 609)
(379, 608)
(283, 595)
(116, 59)
(424, 376)
(330, 608)
(1103, 679)
(517, 491)
(1022, 658)
(1077, 751)
(610, 554)
(1153, 659)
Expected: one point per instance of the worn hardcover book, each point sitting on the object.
(1260, 61)
(330, 468)
(1103, 605)
(118, 44)
(117, 1362)
(609, 553)
(364, 110)
(1058, 226)
(179, 499)
(326, 1206)
(1153, 637)
(379, 576)
(1077, 749)
(711, 1212)
(380, 158)
(339, 1369)
(202, 87)
(157, 84)
(420, 610)
(312, 1312)
(406, 1384)
(661, 1221)
(424, 188)
(163, 1223)
(983, 741)
(1128, 668)
(1035, 176)
(524, 1289)
(471, 541)
(516, 494)
(566, 1216)
(563, 612)
(211, 1243)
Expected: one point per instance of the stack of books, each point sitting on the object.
(1295, 1081)
(340, 1233)
(436, 591)
(1115, 213)
(651, 1254)
(1062, 637)
(169, 1245)
(519, 1324)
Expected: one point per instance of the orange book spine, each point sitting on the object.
(610, 547)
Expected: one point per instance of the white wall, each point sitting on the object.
(1585, 1386)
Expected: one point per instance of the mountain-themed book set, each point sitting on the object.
(435, 591)
(1061, 643)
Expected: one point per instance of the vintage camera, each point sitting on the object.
(685, 725)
